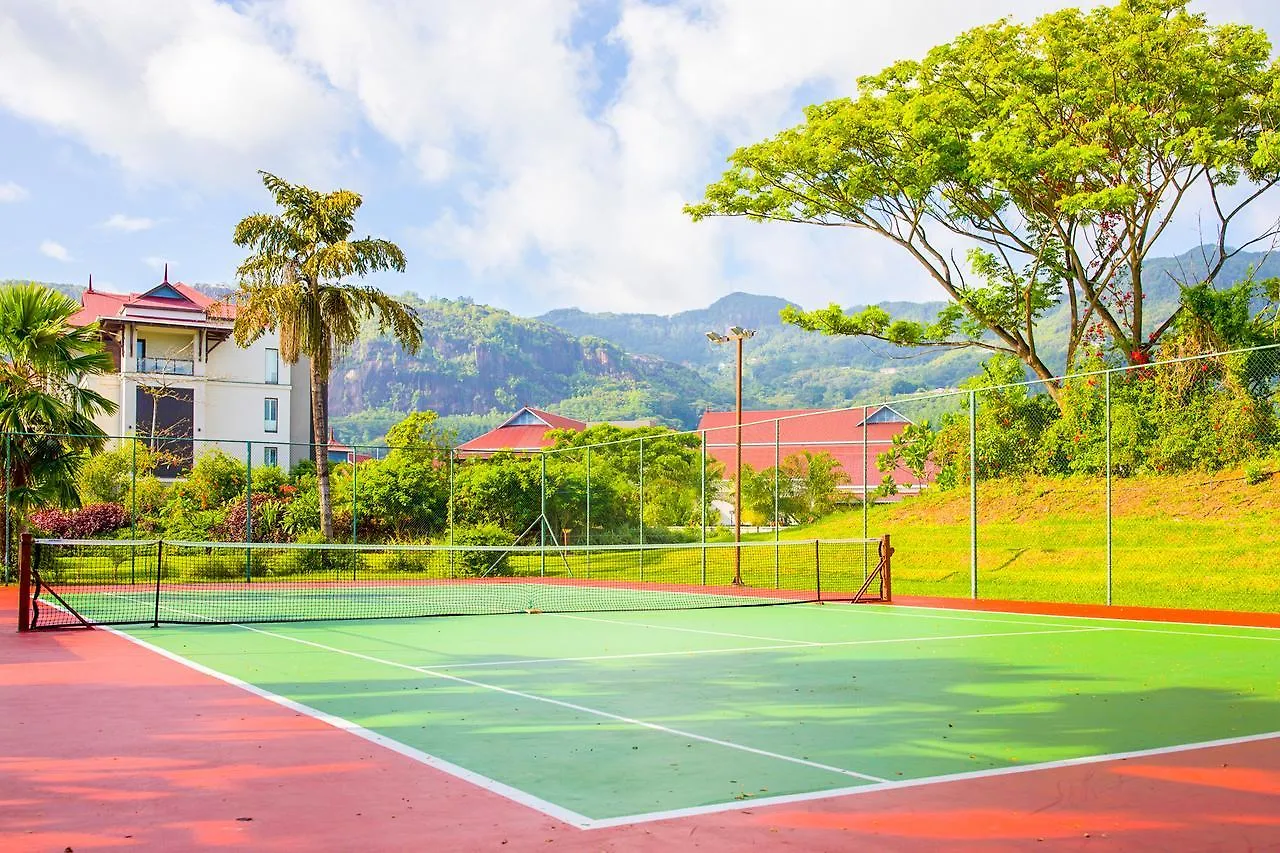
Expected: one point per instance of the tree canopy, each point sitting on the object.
(1057, 152)
(294, 283)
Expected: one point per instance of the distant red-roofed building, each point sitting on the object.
(771, 436)
(182, 381)
(524, 432)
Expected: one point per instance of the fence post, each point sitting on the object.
(8, 533)
(973, 494)
(1107, 409)
(777, 531)
(133, 511)
(248, 513)
(450, 511)
(642, 508)
(702, 503)
(587, 533)
(866, 494)
(542, 515)
(355, 482)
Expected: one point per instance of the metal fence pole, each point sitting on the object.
(248, 510)
(702, 503)
(355, 485)
(542, 515)
(866, 494)
(587, 533)
(449, 509)
(973, 494)
(1107, 410)
(642, 508)
(777, 531)
(8, 512)
(133, 512)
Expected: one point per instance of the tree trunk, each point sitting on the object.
(320, 445)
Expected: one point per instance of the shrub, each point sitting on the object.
(84, 523)
(476, 563)
(267, 521)
(320, 559)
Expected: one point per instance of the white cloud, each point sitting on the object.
(121, 222)
(186, 90)
(57, 251)
(156, 262)
(11, 192)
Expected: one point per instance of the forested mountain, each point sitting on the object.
(478, 363)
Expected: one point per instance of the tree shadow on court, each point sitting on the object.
(896, 715)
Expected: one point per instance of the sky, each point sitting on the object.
(528, 154)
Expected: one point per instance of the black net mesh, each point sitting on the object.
(152, 582)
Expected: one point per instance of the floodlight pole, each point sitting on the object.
(738, 335)
(737, 479)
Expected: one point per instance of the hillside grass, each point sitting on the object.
(1195, 541)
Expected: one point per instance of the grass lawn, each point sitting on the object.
(1187, 541)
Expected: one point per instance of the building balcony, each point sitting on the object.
(167, 366)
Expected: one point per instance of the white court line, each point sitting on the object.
(789, 647)
(1075, 618)
(493, 785)
(686, 630)
(583, 822)
(571, 706)
(857, 790)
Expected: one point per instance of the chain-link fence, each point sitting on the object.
(1153, 484)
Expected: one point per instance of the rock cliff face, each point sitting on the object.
(477, 359)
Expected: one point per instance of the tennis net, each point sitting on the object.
(70, 583)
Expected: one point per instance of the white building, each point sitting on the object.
(181, 380)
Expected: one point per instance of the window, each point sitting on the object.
(270, 456)
(140, 348)
(273, 367)
(271, 415)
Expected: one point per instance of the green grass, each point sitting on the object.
(1189, 541)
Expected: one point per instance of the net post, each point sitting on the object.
(973, 494)
(248, 515)
(159, 572)
(886, 573)
(817, 568)
(24, 581)
(1107, 429)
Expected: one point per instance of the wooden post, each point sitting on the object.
(24, 583)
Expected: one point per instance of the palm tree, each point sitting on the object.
(46, 415)
(292, 283)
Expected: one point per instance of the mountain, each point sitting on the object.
(478, 363)
(476, 359)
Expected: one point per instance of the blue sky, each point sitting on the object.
(530, 154)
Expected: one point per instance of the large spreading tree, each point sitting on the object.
(1053, 154)
(295, 283)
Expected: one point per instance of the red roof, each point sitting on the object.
(768, 436)
(97, 304)
(528, 435)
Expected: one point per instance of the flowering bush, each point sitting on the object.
(84, 523)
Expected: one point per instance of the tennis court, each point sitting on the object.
(674, 703)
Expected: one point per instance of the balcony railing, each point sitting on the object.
(171, 366)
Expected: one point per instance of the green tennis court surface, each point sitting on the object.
(606, 717)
